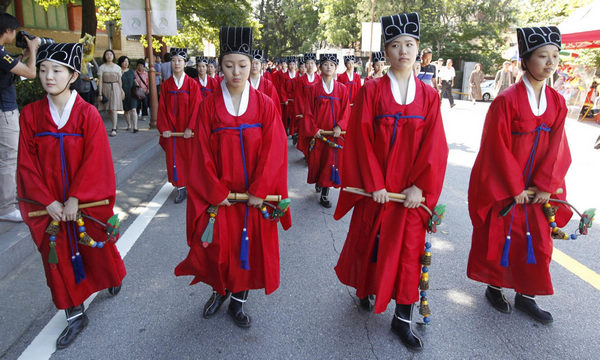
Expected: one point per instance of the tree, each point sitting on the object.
(342, 20)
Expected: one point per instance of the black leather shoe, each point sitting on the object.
(114, 290)
(323, 199)
(497, 299)
(401, 327)
(77, 320)
(214, 304)
(236, 309)
(527, 304)
(317, 188)
(368, 303)
(181, 195)
(294, 139)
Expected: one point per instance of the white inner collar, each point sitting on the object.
(229, 101)
(535, 108)
(255, 84)
(59, 120)
(395, 87)
(310, 77)
(326, 87)
(203, 81)
(292, 74)
(179, 83)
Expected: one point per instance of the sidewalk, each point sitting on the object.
(129, 151)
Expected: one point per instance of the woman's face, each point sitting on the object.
(109, 57)
(178, 64)
(349, 65)
(378, 67)
(302, 69)
(202, 69)
(328, 68)
(311, 66)
(125, 64)
(402, 53)
(55, 78)
(236, 70)
(292, 67)
(543, 62)
(256, 67)
(477, 67)
(140, 67)
(211, 68)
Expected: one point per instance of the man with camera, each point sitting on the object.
(9, 112)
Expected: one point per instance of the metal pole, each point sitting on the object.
(371, 41)
(151, 71)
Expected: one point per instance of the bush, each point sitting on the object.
(28, 91)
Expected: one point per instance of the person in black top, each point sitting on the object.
(9, 113)
(428, 71)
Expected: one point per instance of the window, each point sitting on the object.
(35, 16)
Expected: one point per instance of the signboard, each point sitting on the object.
(133, 17)
(365, 44)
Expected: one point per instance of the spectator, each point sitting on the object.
(438, 67)
(475, 81)
(141, 75)
(86, 86)
(9, 113)
(446, 76)
(417, 65)
(157, 61)
(515, 69)
(110, 89)
(428, 73)
(503, 78)
(165, 68)
(128, 79)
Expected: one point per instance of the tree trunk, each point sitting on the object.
(88, 14)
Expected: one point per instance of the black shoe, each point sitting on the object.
(214, 304)
(294, 139)
(181, 195)
(368, 303)
(527, 304)
(401, 327)
(236, 309)
(135, 130)
(77, 320)
(114, 290)
(317, 187)
(323, 199)
(497, 299)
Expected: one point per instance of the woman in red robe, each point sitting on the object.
(523, 145)
(179, 100)
(301, 96)
(259, 82)
(350, 79)
(327, 109)
(241, 147)
(287, 80)
(64, 159)
(378, 61)
(208, 85)
(395, 143)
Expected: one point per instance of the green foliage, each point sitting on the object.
(28, 91)
(341, 20)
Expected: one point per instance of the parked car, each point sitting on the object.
(487, 90)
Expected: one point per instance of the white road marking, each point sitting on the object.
(44, 344)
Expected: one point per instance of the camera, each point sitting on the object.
(20, 39)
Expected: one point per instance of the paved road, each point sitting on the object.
(311, 315)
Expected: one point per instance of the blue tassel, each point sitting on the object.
(375, 249)
(175, 178)
(332, 177)
(504, 261)
(337, 180)
(244, 250)
(78, 270)
(530, 255)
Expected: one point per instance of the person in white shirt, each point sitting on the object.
(446, 77)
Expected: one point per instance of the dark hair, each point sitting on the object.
(168, 57)
(104, 55)
(524, 59)
(140, 61)
(8, 22)
(122, 60)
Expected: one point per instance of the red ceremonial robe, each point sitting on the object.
(500, 173)
(325, 111)
(266, 87)
(353, 85)
(177, 111)
(90, 177)
(287, 89)
(301, 96)
(218, 165)
(267, 75)
(377, 157)
(209, 88)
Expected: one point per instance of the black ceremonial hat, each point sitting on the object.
(378, 56)
(328, 57)
(534, 37)
(183, 52)
(67, 54)
(310, 56)
(291, 59)
(398, 25)
(258, 54)
(349, 58)
(236, 40)
(212, 61)
(201, 59)
(301, 60)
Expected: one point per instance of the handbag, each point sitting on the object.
(136, 91)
